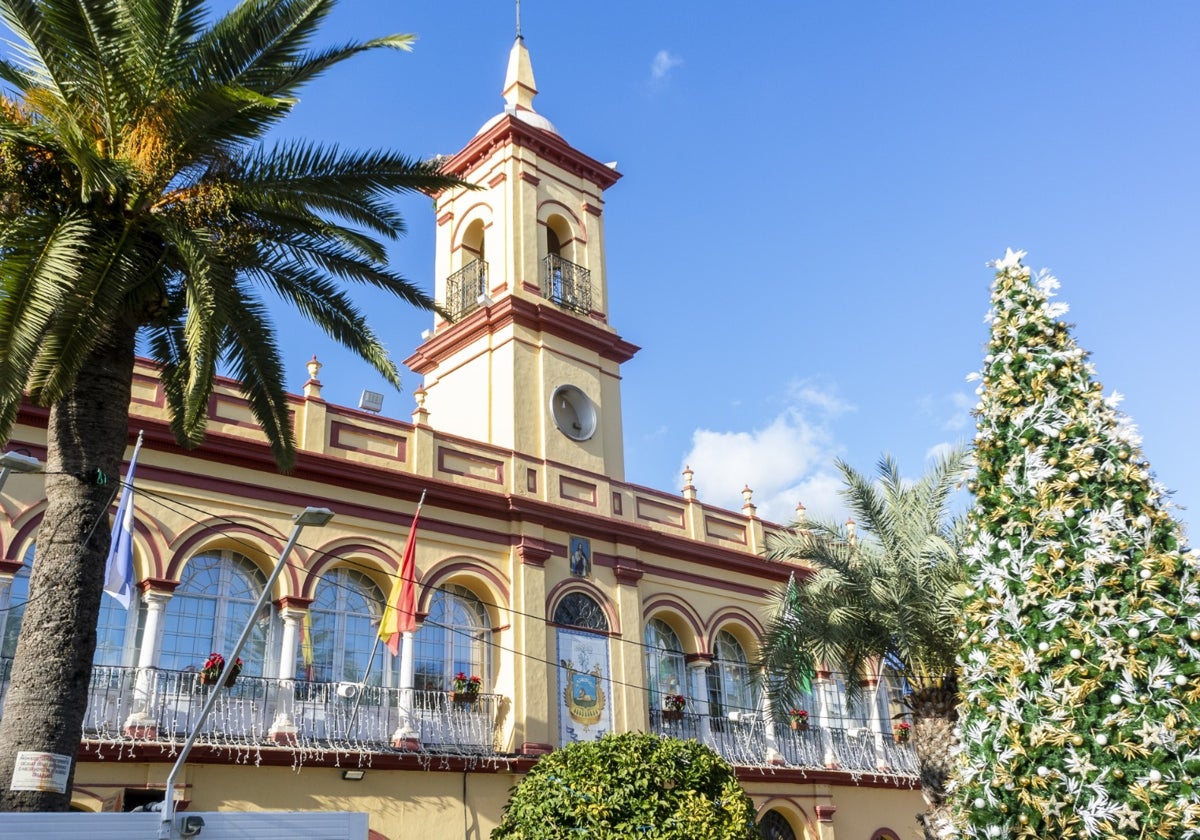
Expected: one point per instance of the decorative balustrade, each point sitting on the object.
(152, 705)
(746, 739)
(464, 287)
(567, 284)
(164, 706)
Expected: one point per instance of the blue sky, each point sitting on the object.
(810, 195)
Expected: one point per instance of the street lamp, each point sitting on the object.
(15, 462)
(314, 516)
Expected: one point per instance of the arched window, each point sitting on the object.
(112, 628)
(664, 662)
(18, 594)
(580, 610)
(730, 688)
(454, 639)
(343, 625)
(210, 608)
(774, 826)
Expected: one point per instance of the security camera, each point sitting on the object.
(190, 825)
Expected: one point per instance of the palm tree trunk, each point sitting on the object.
(86, 438)
(934, 718)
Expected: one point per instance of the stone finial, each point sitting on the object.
(420, 413)
(748, 507)
(849, 529)
(801, 518)
(312, 388)
(689, 489)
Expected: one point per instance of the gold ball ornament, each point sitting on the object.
(1023, 820)
(1077, 740)
(1118, 773)
(1194, 635)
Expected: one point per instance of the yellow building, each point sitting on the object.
(582, 603)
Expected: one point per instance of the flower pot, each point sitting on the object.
(800, 725)
(463, 697)
(672, 714)
(901, 737)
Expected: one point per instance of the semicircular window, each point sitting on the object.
(774, 826)
(580, 610)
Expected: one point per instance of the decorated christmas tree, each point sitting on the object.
(1081, 654)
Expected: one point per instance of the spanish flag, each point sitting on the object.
(400, 614)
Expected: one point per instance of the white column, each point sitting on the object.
(698, 695)
(825, 685)
(406, 735)
(870, 690)
(283, 729)
(141, 722)
(773, 756)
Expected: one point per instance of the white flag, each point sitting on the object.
(118, 571)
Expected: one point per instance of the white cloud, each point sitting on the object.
(787, 461)
(663, 64)
(938, 450)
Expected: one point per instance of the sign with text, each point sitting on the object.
(41, 771)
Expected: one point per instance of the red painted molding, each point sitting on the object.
(530, 178)
(498, 179)
(538, 317)
(706, 658)
(825, 812)
(534, 552)
(550, 147)
(588, 207)
(628, 572)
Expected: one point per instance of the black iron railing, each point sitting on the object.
(464, 287)
(567, 284)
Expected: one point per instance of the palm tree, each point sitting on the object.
(139, 204)
(887, 595)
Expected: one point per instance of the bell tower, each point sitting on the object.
(529, 361)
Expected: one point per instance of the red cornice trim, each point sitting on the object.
(808, 776)
(152, 752)
(540, 317)
(550, 147)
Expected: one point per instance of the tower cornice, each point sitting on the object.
(509, 129)
(540, 317)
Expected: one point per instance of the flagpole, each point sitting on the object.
(362, 688)
(406, 581)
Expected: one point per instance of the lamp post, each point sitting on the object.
(314, 516)
(15, 462)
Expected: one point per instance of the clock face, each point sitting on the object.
(573, 412)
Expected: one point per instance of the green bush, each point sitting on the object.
(629, 786)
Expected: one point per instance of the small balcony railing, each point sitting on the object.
(567, 284)
(464, 287)
(131, 704)
(746, 739)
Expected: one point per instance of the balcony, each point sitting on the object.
(567, 284)
(152, 705)
(746, 739)
(464, 287)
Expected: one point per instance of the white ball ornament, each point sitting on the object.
(1134, 632)
(1180, 679)
(1043, 647)
(1060, 564)
(1101, 739)
(1145, 574)
(1043, 771)
(1076, 653)
(1155, 776)
(1115, 700)
(979, 803)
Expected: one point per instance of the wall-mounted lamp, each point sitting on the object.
(354, 775)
